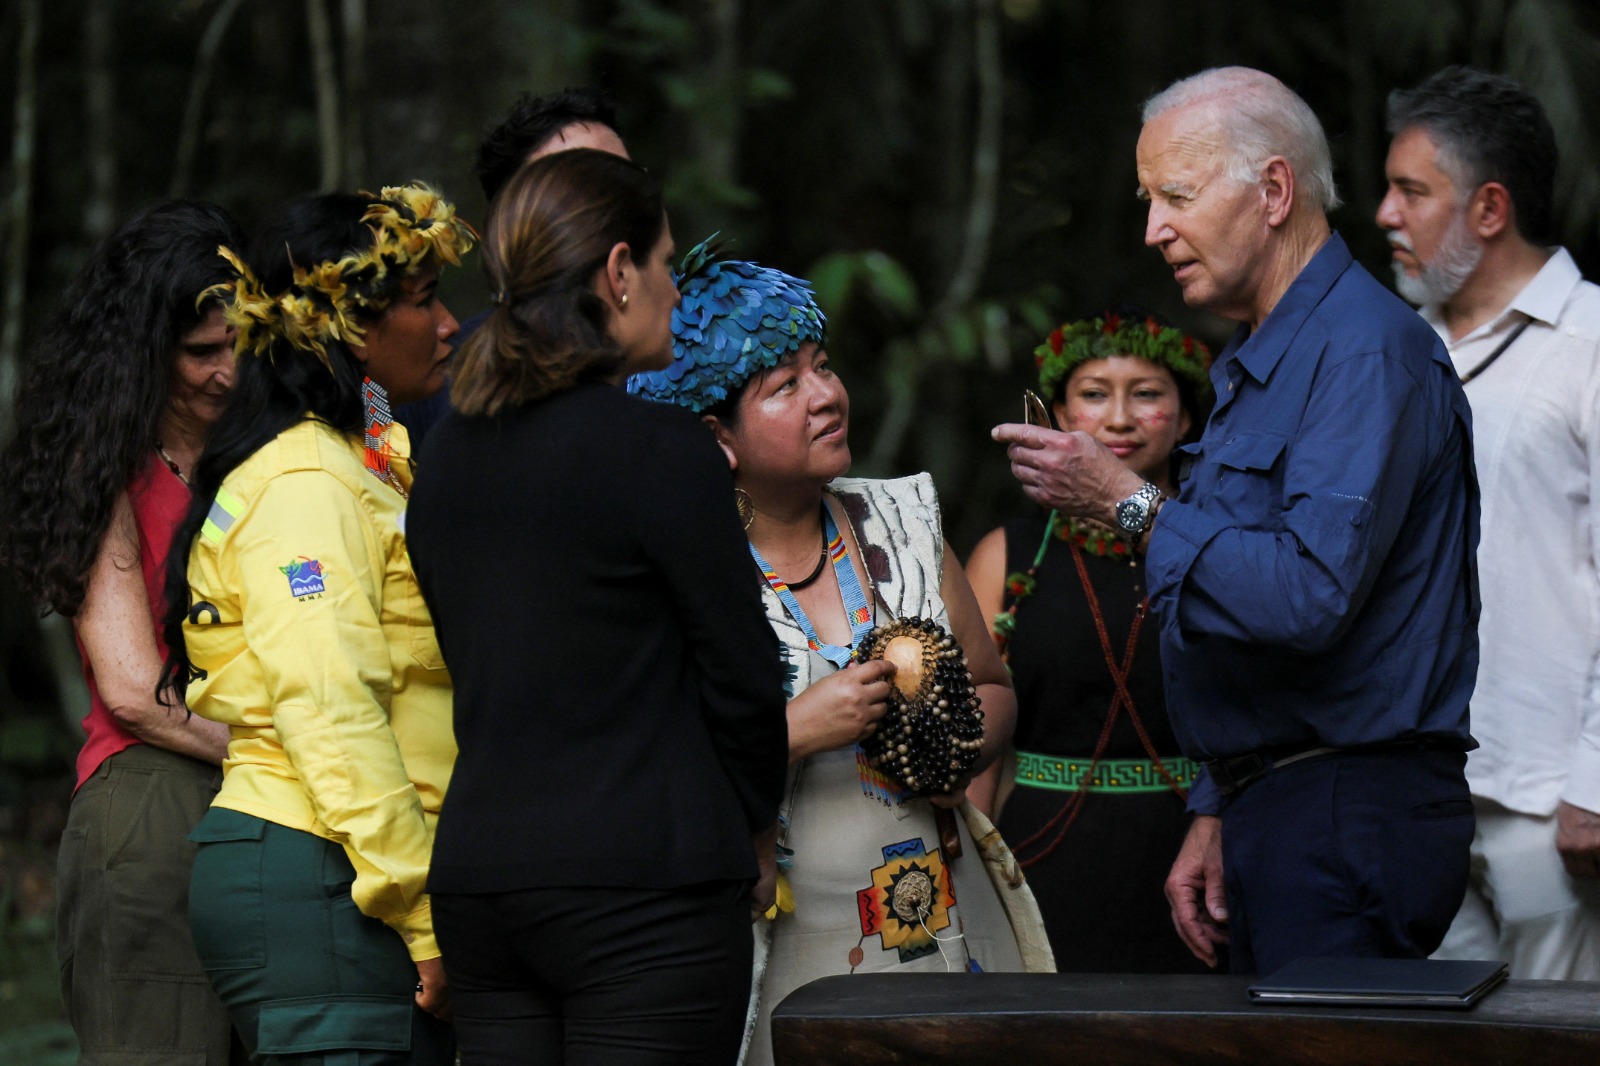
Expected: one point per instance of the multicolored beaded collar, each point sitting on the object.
(376, 447)
(856, 608)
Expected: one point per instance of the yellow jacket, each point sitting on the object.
(320, 655)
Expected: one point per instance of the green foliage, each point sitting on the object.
(33, 741)
(763, 86)
(33, 1026)
(842, 277)
(652, 31)
(1552, 47)
(834, 133)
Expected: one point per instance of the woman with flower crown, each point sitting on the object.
(295, 619)
(1093, 801)
(877, 876)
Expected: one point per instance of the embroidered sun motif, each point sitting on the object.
(909, 900)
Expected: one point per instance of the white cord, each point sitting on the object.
(938, 940)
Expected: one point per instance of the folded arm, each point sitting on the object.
(116, 631)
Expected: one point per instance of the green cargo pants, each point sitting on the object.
(307, 978)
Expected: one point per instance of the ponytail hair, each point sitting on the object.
(550, 230)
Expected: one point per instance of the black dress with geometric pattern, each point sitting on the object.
(1100, 887)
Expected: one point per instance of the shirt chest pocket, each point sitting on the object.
(1247, 480)
(410, 612)
(424, 641)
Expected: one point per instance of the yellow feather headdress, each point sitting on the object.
(411, 226)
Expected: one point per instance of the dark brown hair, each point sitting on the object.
(550, 229)
(90, 398)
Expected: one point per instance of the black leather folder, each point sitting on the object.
(1380, 982)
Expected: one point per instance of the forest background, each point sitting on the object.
(955, 176)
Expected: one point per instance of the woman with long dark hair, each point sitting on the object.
(1097, 811)
(618, 700)
(112, 412)
(295, 620)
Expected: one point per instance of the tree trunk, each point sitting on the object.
(205, 61)
(989, 70)
(22, 148)
(327, 84)
(902, 381)
(354, 18)
(99, 98)
(1366, 111)
(948, 187)
(716, 133)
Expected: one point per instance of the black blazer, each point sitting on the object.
(619, 700)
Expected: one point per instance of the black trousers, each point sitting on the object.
(588, 975)
(1356, 854)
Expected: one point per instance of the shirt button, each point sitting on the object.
(1230, 386)
(411, 938)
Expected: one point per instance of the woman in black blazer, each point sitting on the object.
(619, 703)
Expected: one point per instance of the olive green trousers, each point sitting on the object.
(133, 987)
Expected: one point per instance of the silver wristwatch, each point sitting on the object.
(1135, 513)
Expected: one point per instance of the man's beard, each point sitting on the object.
(1457, 257)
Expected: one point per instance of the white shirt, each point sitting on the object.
(1536, 437)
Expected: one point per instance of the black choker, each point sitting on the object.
(822, 561)
(809, 578)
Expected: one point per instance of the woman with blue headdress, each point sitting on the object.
(871, 880)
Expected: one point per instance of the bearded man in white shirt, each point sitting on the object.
(1469, 214)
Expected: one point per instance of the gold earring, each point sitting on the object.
(746, 507)
(624, 300)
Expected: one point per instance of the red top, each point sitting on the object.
(159, 502)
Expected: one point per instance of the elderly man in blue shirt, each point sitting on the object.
(1315, 578)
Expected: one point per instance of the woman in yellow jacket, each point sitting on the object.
(296, 620)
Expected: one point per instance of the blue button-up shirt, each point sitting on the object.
(1315, 580)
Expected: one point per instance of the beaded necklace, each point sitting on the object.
(377, 451)
(856, 609)
(172, 464)
(1097, 540)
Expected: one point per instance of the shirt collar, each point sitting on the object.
(1543, 298)
(1260, 352)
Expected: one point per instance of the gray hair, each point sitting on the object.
(1487, 128)
(1262, 117)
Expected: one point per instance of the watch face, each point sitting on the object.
(1131, 514)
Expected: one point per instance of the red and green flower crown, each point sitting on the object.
(1074, 343)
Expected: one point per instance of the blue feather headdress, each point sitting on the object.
(736, 320)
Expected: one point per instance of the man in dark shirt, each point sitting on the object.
(1315, 579)
(535, 126)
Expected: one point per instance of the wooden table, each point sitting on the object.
(1077, 1019)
